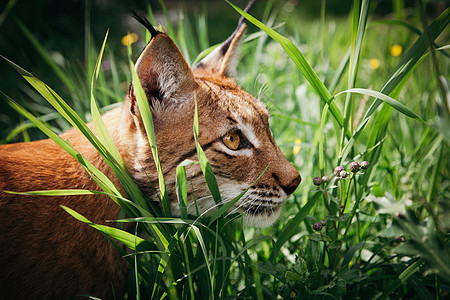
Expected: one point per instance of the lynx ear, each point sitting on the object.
(223, 60)
(162, 70)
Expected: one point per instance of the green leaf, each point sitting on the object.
(100, 126)
(181, 186)
(205, 254)
(147, 119)
(411, 58)
(100, 178)
(350, 252)
(131, 241)
(359, 28)
(320, 237)
(292, 226)
(73, 192)
(338, 219)
(111, 153)
(334, 244)
(72, 117)
(394, 85)
(293, 277)
(323, 119)
(402, 278)
(204, 163)
(46, 56)
(389, 100)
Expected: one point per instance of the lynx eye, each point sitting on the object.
(232, 140)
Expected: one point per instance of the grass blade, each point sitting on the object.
(204, 163)
(98, 176)
(389, 100)
(70, 115)
(130, 240)
(181, 185)
(411, 58)
(47, 58)
(71, 192)
(147, 119)
(359, 28)
(300, 61)
(402, 278)
(100, 126)
(292, 226)
(397, 80)
(9, 6)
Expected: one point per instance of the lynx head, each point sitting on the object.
(233, 131)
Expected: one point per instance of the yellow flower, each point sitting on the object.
(129, 39)
(374, 63)
(396, 50)
(297, 146)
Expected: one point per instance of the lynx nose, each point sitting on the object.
(292, 186)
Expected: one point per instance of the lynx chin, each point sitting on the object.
(47, 254)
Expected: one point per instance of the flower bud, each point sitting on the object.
(317, 226)
(323, 222)
(399, 239)
(325, 179)
(338, 170)
(400, 216)
(364, 165)
(354, 167)
(317, 181)
(343, 174)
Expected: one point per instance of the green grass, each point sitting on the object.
(387, 227)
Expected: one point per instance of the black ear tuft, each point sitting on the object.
(142, 18)
(247, 10)
(222, 60)
(226, 45)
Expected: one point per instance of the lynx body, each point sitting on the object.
(46, 254)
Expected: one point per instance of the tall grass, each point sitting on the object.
(334, 100)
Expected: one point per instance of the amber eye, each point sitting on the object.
(232, 140)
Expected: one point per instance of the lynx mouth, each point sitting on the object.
(261, 207)
(261, 213)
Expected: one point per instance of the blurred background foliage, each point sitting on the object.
(68, 31)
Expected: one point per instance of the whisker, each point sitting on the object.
(224, 201)
(242, 203)
(255, 209)
(251, 205)
(199, 200)
(263, 89)
(237, 207)
(232, 219)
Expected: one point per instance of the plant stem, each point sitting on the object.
(326, 250)
(347, 193)
(341, 210)
(325, 196)
(355, 207)
(341, 187)
(355, 191)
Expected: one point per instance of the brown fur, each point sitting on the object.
(47, 254)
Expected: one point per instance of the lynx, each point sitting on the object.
(47, 254)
